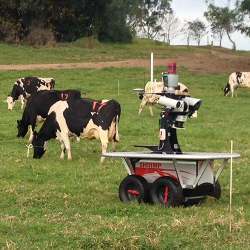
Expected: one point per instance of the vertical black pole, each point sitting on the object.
(168, 137)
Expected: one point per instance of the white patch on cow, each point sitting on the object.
(46, 82)
(10, 102)
(19, 82)
(104, 100)
(43, 87)
(39, 119)
(91, 131)
(245, 79)
(59, 106)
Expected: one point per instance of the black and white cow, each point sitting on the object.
(236, 80)
(38, 106)
(25, 87)
(83, 118)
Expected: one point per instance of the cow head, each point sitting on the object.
(21, 128)
(226, 89)
(140, 95)
(10, 101)
(38, 145)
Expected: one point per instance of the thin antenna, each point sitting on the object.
(230, 188)
(152, 67)
(118, 87)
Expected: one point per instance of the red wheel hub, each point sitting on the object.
(165, 195)
(133, 192)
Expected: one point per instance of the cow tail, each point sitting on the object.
(117, 119)
(116, 136)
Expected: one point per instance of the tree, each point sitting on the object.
(216, 26)
(196, 30)
(171, 27)
(149, 16)
(118, 31)
(66, 20)
(222, 19)
(244, 10)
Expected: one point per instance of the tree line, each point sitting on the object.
(43, 21)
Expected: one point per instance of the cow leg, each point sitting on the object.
(22, 101)
(142, 105)
(114, 145)
(104, 141)
(63, 150)
(63, 137)
(151, 110)
(32, 127)
(31, 134)
(66, 142)
(45, 145)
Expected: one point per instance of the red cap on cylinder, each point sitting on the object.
(172, 68)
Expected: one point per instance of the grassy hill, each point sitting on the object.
(84, 51)
(51, 203)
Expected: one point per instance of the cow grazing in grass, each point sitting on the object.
(83, 118)
(38, 106)
(149, 97)
(25, 87)
(236, 80)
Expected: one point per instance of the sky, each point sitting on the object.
(189, 10)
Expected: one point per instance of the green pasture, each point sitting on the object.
(59, 204)
(84, 50)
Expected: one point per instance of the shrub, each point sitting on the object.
(39, 36)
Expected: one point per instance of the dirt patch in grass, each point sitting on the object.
(212, 62)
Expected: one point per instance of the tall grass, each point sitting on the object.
(50, 203)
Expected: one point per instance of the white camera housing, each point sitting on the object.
(194, 102)
(170, 103)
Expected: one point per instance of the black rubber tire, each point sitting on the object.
(146, 186)
(133, 188)
(166, 192)
(194, 202)
(217, 190)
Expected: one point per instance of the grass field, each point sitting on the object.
(79, 51)
(55, 204)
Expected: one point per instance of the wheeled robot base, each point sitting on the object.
(170, 179)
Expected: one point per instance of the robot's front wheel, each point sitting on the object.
(166, 192)
(133, 188)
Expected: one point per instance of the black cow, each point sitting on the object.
(38, 106)
(25, 87)
(83, 117)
